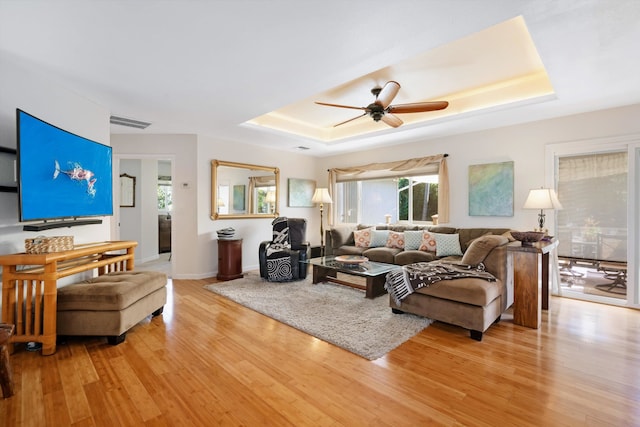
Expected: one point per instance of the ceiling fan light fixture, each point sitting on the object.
(381, 109)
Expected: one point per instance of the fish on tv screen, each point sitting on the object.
(60, 174)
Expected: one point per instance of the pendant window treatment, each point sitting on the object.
(403, 168)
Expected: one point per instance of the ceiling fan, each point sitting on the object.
(381, 110)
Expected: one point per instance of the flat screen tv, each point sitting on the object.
(61, 175)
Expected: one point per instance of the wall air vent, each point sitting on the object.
(123, 121)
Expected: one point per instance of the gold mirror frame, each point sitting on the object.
(215, 181)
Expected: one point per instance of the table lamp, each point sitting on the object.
(321, 195)
(542, 198)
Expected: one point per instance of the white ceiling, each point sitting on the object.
(208, 67)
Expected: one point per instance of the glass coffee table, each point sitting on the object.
(325, 269)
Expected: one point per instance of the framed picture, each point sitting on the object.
(301, 192)
(491, 189)
(238, 198)
(127, 191)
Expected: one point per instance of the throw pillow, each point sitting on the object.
(480, 248)
(395, 240)
(428, 242)
(379, 238)
(362, 237)
(447, 244)
(412, 240)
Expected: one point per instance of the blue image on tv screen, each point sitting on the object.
(61, 175)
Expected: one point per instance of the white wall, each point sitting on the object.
(195, 252)
(522, 144)
(24, 88)
(252, 231)
(181, 150)
(130, 218)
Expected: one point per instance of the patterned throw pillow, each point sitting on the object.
(379, 238)
(428, 242)
(447, 244)
(395, 240)
(412, 240)
(362, 237)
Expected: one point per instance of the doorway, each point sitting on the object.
(149, 221)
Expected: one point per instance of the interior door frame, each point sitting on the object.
(115, 224)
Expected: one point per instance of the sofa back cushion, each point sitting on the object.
(341, 235)
(481, 247)
(467, 235)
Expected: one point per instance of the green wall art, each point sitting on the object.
(301, 192)
(491, 189)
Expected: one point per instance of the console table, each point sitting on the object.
(530, 266)
(29, 285)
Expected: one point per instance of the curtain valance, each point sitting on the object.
(411, 167)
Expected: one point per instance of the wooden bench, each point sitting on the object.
(110, 304)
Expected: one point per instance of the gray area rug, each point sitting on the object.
(337, 314)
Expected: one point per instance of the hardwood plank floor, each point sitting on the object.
(208, 361)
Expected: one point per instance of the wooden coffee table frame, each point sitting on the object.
(374, 282)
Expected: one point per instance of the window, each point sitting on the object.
(407, 199)
(593, 192)
(165, 204)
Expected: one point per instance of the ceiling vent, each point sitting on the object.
(123, 121)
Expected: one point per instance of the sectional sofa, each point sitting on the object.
(470, 302)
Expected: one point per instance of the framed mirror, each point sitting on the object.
(127, 191)
(242, 190)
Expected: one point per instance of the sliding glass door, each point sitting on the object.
(598, 186)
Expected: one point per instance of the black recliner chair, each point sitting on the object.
(287, 263)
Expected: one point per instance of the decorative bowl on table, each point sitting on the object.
(226, 233)
(527, 237)
(351, 260)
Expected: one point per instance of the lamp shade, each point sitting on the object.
(542, 198)
(321, 195)
(270, 197)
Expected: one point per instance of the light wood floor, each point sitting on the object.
(207, 361)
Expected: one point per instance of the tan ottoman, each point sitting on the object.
(109, 305)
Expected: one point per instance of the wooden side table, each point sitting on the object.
(6, 379)
(229, 259)
(530, 266)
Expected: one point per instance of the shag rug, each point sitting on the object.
(333, 313)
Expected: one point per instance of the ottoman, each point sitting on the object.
(109, 305)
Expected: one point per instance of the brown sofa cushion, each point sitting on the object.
(113, 291)
(383, 254)
(480, 248)
(469, 290)
(410, 257)
(342, 235)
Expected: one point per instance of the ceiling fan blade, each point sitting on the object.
(340, 106)
(391, 120)
(388, 92)
(347, 121)
(418, 107)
